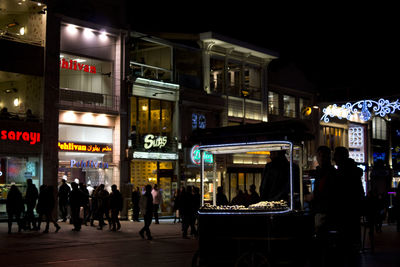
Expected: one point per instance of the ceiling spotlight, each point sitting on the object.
(22, 30)
(16, 101)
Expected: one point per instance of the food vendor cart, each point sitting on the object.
(269, 233)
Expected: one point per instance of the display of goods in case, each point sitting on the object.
(260, 206)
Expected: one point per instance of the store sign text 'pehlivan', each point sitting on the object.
(80, 147)
(30, 137)
(75, 65)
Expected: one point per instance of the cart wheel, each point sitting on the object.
(196, 261)
(252, 259)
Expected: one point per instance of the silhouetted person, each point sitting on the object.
(239, 199)
(45, 206)
(221, 199)
(350, 202)
(323, 205)
(14, 207)
(135, 204)
(116, 203)
(31, 197)
(157, 199)
(175, 207)
(146, 208)
(85, 203)
(94, 206)
(63, 195)
(254, 196)
(4, 114)
(275, 184)
(188, 210)
(76, 201)
(29, 116)
(103, 207)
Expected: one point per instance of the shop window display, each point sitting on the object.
(16, 170)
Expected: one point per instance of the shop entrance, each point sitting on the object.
(166, 189)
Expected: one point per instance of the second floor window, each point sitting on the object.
(379, 128)
(273, 103)
(85, 74)
(289, 106)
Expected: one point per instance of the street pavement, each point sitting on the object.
(92, 247)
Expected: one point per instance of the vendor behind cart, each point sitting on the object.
(275, 184)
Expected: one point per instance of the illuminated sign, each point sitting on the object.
(155, 155)
(196, 157)
(89, 164)
(29, 137)
(361, 108)
(80, 147)
(154, 141)
(76, 65)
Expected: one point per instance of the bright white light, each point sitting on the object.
(16, 102)
(22, 31)
(39, 4)
(69, 116)
(102, 119)
(88, 33)
(71, 29)
(88, 118)
(79, 60)
(103, 36)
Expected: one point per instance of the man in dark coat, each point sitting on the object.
(275, 184)
(146, 208)
(45, 207)
(135, 204)
(350, 202)
(116, 203)
(31, 197)
(14, 207)
(188, 207)
(63, 195)
(76, 201)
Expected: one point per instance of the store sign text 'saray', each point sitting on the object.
(154, 141)
(196, 157)
(94, 148)
(29, 137)
(75, 65)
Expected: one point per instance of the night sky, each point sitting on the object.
(337, 47)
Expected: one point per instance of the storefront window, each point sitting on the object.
(289, 106)
(217, 75)
(85, 74)
(273, 103)
(379, 128)
(16, 170)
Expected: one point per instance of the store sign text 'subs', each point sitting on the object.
(74, 65)
(30, 137)
(154, 141)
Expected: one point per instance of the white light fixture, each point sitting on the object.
(71, 29)
(16, 102)
(88, 118)
(69, 116)
(88, 33)
(101, 119)
(22, 30)
(103, 36)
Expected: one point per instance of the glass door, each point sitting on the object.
(165, 186)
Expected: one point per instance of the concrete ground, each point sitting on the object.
(92, 247)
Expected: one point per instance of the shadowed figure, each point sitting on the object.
(45, 207)
(14, 206)
(146, 208)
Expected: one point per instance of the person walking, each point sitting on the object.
(146, 208)
(103, 207)
(85, 203)
(350, 203)
(63, 195)
(31, 197)
(14, 207)
(45, 206)
(175, 206)
(188, 209)
(116, 203)
(157, 199)
(135, 204)
(76, 201)
(93, 206)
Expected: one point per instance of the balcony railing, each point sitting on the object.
(88, 100)
(150, 72)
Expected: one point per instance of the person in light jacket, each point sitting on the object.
(157, 199)
(146, 208)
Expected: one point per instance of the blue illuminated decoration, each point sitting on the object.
(381, 107)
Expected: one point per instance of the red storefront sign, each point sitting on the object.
(75, 65)
(27, 136)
